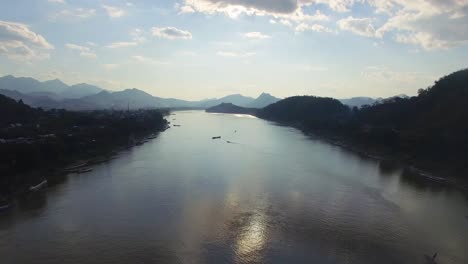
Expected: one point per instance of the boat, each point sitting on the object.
(218, 137)
(4, 206)
(75, 167)
(38, 187)
(83, 170)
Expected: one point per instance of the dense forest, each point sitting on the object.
(430, 129)
(34, 142)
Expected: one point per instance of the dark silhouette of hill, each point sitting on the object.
(307, 111)
(430, 130)
(12, 112)
(229, 108)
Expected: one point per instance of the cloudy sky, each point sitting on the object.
(194, 49)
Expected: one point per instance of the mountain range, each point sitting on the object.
(56, 94)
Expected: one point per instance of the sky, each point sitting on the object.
(196, 49)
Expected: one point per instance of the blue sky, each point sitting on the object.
(195, 49)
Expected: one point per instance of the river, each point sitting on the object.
(272, 195)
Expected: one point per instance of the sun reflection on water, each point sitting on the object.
(252, 239)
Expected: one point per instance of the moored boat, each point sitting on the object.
(38, 187)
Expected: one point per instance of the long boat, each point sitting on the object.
(39, 186)
(75, 167)
(4, 206)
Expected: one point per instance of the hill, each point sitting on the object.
(12, 111)
(55, 89)
(229, 108)
(429, 130)
(56, 94)
(307, 111)
(263, 100)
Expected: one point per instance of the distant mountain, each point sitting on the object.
(55, 89)
(229, 108)
(21, 84)
(263, 100)
(32, 100)
(80, 90)
(236, 99)
(54, 86)
(56, 94)
(129, 98)
(359, 101)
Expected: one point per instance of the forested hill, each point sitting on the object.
(14, 112)
(431, 127)
(309, 111)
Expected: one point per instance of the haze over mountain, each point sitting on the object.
(56, 94)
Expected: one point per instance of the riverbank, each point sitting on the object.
(41, 147)
(411, 166)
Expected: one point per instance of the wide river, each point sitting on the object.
(272, 195)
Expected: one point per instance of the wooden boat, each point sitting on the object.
(38, 187)
(83, 170)
(218, 137)
(75, 167)
(4, 206)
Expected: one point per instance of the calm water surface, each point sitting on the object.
(272, 196)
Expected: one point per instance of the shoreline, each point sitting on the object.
(408, 166)
(74, 165)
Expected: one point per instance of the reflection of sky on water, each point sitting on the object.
(275, 197)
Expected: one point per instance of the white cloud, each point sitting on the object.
(76, 47)
(18, 42)
(231, 54)
(83, 50)
(114, 11)
(89, 55)
(290, 10)
(123, 44)
(56, 1)
(430, 24)
(314, 27)
(143, 59)
(359, 26)
(171, 33)
(110, 66)
(77, 13)
(138, 35)
(385, 74)
(256, 35)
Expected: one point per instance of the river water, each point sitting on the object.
(272, 195)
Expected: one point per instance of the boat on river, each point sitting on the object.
(38, 187)
(218, 137)
(4, 205)
(84, 170)
(76, 167)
